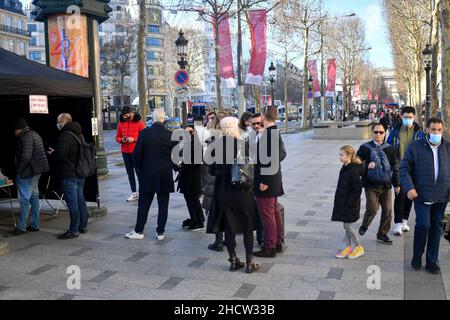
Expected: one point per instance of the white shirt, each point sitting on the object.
(435, 150)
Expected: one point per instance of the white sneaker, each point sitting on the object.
(133, 197)
(405, 227)
(160, 237)
(133, 235)
(397, 229)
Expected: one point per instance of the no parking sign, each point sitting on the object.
(181, 77)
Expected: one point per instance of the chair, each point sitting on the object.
(60, 198)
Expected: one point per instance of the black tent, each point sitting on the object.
(19, 78)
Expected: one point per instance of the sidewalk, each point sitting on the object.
(182, 267)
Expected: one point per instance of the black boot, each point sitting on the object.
(252, 266)
(218, 244)
(236, 264)
(266, 253)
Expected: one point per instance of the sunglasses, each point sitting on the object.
(378, 132)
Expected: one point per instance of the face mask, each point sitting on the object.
(407, 122)
(435, 138)
(58, 125)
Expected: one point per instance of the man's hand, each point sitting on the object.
(50, 151)
(412, 194)
(371, 165)
(263, 187)
(397, 190)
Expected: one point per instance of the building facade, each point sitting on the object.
(13, 27)
(36, 44)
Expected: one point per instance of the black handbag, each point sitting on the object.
(242, 174)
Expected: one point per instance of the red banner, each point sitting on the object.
(258, 32)
(331, 82)
(369, 95)
(225, 52)
(356, 91)
(312, 65)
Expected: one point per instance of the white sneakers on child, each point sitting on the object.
(398, 229)
(133, 235)
(405, 227)
(133, 197)
(160, 237)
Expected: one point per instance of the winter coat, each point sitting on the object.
(190, 175)
(274, 181)
(130, 129)
(31, 159)
(417, 172)
(67, 151)
(394, 137)
(364, 154)
(153, 160)
(230, 203)
(347, 199)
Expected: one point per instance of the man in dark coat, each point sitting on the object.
(425, 176)
(66, 155)
(31, 162)
(268, 186)
(379, 193)
(152, 157)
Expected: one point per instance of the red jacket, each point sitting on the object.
(129, 129)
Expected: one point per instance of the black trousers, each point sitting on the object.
(230, 241)
(144, 204)
(130, 167)
(402, 207)
(195, 208)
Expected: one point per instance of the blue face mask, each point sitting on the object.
(435, 138)
(407, 122)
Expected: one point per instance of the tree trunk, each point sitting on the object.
(434, 59)
(218, 80)
(141, 60)
(257, 93)
(286, 115)
(445, 18)
(305, 80)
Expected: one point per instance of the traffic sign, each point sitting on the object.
(181, 77)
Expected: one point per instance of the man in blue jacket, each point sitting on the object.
(400, 138)
(425, 177)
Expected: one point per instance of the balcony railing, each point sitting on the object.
(14, 30)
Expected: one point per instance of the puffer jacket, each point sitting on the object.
(394, 137)
(417, 172)
(31, 159)
(130, 129)
(67, 151)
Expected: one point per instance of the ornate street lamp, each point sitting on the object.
(310, 96)
(181, 44)
(272, 78)
(427, 66)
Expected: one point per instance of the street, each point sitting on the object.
(181, 267)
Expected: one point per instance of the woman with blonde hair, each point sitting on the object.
(233, 209)
(347, 201)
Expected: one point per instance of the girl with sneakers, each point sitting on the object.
(347, 201)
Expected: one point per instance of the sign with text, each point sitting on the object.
(39, 104)
(94, 123)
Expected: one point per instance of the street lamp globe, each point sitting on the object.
(427, 54)
(272, 72)
(181, 44)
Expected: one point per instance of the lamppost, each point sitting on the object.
(272, 77)
(427, 66)
(310, 97)
(181, 44)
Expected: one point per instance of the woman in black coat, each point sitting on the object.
(233, 210)
(347, 201)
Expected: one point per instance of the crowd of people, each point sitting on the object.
(227, 196)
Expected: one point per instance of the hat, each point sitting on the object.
(126, 110)
(20, 124)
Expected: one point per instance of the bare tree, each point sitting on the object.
(445, 38)
(141, 59)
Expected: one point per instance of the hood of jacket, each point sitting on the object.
(72, 126)
(135, 117)
(355, 166)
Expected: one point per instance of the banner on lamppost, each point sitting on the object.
(331, 82)
(369, 95)
(226, 69)
(356, 91)
(258, 31)
(312, 65)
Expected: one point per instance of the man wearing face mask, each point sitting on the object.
(425, 177)
(400, 138)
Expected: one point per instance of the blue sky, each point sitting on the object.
(371, 13)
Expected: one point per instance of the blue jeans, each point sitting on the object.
(130, 167)
(428, 230)
(28, 195)
(74, 196)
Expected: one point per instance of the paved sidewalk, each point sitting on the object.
(182, 267)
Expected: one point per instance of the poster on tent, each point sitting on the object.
(225, 52)
(38, 104)
(312, 65)
(258, 32)
(331, 81)
(68, 44)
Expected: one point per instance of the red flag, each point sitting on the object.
(258, 31)
(225, 52)
(331, 82)
(369, 95)
(356, 91)
(312, 64)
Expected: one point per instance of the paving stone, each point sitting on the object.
(245, 290)
(41, 270)
(113, 237)
(137, 256)
(302, 222)
(67, 296)
(4, 248)
(80, 252)
(198, 262)
(335, 273)
(103, 276)
(170, 284)
(326, 295)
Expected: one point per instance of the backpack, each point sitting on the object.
(382, 173)
(86, 159)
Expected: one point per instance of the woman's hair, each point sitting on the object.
(230, 127)
(350, 151)
(245, 117)
(215, 124)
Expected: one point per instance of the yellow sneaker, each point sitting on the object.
(341, 254)
(358, 252)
